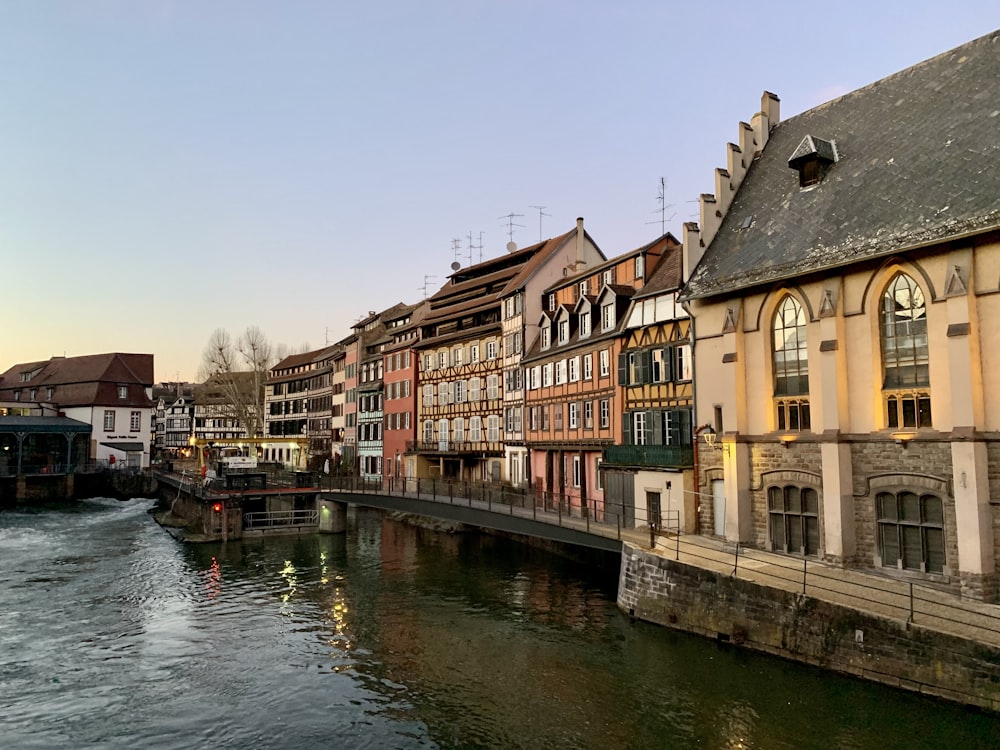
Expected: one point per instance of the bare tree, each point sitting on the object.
(235, 371)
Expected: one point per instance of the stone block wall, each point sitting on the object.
(807, 630)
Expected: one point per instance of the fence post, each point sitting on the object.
(451, 493)
(911, 603)
(434, 489)
(677, 542)
(559, 510)
(737, 564)
(618, 522)
(805, 564)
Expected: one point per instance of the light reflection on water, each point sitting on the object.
(114, 635)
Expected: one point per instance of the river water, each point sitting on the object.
(113, 634)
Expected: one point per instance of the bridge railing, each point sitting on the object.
(280, 518)
(595, 515)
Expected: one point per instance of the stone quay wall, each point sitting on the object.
(803, 629)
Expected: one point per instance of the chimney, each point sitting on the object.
(579, 240)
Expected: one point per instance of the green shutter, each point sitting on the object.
(627, 428)
(623, 369)
(646, 366)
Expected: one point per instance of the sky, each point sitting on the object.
(171, 167)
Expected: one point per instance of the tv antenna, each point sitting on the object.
(473, 246)
(541, 213)
(423, 288)
(511, 223)
(456, 248)
(661, 198)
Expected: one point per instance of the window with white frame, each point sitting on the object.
(123, 391)
(545, 335)
(560, 372)
(109, 420)
(576, 471)
(135, 421)
(458, 388)
(474, 353)
(428, 362)
(442, 359)
(491, 350)
(608, 316)
(547, 371)
(456, 355)
(584, 324)
(428, 431)
(605, 406)
(428, 394)
(563, 331)
(552, 302)
(588, 366)
(574, 415)
(639, 428)
(583, 288)
(493, 428)
(598, 473)
(588, 414)
(574, 369)
(605, 363)
(609, 276)
(640, 266)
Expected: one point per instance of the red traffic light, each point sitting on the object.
(217, 507)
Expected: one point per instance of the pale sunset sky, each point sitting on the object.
(169, 167)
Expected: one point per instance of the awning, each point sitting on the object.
(126, 447)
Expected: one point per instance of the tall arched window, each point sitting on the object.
(905, 358)
(791, 367)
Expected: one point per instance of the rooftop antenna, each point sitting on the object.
(661, 198)
(541, 213)
(511, 223)
(456, 248)
(423, 289)
(480, 247)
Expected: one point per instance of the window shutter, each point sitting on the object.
(627, 429)
(669, 364)
(623, 369)
(646, 366)
(655, 421)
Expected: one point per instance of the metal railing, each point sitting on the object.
(595, 516)
(279, 519)
(863, 590)
(680, 456)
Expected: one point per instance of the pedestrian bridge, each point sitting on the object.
(492, 508)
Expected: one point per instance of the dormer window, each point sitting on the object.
(563, 331)
(812, 158)
(584, 324)
(123, 391)
(545, 337)
(640, 266)
(583, 289)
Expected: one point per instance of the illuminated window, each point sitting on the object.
(791, 370)
(905, 357)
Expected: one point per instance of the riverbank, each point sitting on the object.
(931, 650)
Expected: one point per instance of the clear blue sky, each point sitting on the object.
(168, 167)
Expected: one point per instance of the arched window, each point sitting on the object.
(791, 367)
(905, 359)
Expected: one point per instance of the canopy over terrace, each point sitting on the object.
(300, 444)
(42, 445)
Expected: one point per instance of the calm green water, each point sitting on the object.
(114, 635)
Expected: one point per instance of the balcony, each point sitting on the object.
(480, 447)
(673, 456)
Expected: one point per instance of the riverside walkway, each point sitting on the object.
(907, 602)
(910, 603)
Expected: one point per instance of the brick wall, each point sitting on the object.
(807, 630)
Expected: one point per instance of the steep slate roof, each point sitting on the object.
(918, 162)
(92, 379)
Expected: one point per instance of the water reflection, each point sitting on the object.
(386, 637)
